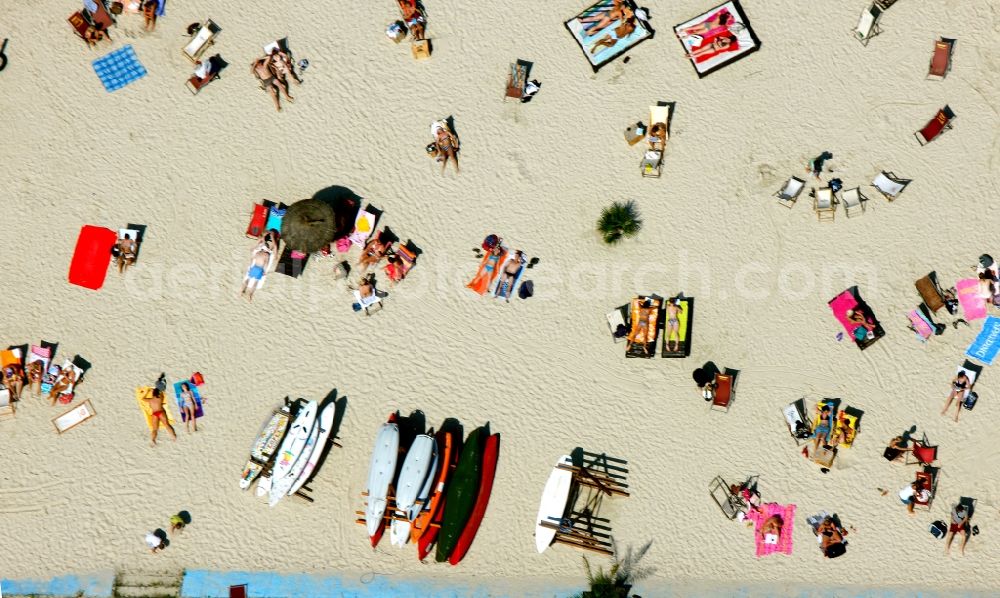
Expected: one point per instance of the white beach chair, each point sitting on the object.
(74, 417)
(889, 185)
(370, 305)
(868, 24)
(616, 318)
(824, 203)
(201, 40)
(6, 407)
(853, 199)
(788, 194)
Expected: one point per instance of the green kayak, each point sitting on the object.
(461, 495)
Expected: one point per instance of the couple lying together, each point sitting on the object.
(273, 71)
(711, 37)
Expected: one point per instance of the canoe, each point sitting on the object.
(411, 480)
(448, 459)
(491, 451)
(324, 426)
(381, 472)
(262, 450)
(553, 504)
(461, 496)
(291, 447)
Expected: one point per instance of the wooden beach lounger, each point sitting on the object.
(867, 27)
(201, 40)
(889, 185)
(74, 417)
(936, 126)
(652, 160)
(824, 204)
(788, 194)
(517, 78)
(854, 200)
(941, 59)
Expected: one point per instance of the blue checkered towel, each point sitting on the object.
(119, 68)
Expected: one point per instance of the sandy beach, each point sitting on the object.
(544, 372)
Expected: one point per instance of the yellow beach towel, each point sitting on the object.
(141, 394)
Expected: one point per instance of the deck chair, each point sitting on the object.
(824, 204)
(731, 504)
(941, 59)
(369, 306)
(81, 21)
(99, 14)
(406, 258)
(889, 185)
(973, 372)
(74, 417)
(364, 224)
(867, 27)
(788, 194)
(936, 126)
(617, 321)
(652, 160)
(257, 221)
(201, 40)
(725, 390)
(922, 454)
(927, 479)
(854, 200)
(196, 83)
(517, 78)
(799, 426)
(6, 405)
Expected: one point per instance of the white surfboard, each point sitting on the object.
(425, 492)
(553, 504)
(324, 425)
(380, 475)
(281, 486)
(411, 480)
(293, 445)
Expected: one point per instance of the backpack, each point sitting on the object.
(938, 529)
(527, 289)
(970, 401)
(835, 550)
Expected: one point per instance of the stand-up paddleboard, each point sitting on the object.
(491, 452)
(324, 425)
(553, 505)
(281, 486)
(461, 496)
(267, 441)
(380, 474)
(446, 457)
(425, 490)
(411, 480)
(292, 447)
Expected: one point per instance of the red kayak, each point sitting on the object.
(491, 453)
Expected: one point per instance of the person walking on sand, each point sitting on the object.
(159, 416)
(149, 10)
(156, 540)
(816, 164)
(179, 521)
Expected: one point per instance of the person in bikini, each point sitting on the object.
(159, 416)
(261, 68)
(374, 251)
(35, 372)
(282, 66)
(772, 527)
(127, 248)
(13, 379)
(149, 9)
(620, 32)
(823, 429)
(65, 382)
(413, 17)
(188, 407)
(830, 534)
(618, 11)
(673, 324)
(721, 43)
(960, 385)
(446, 146)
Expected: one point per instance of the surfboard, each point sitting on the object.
(325, 426)
(553, 504)
(263, 447)
(411, 479)
(380, 474)
(446, 463)
(281, 486)
(292, 446)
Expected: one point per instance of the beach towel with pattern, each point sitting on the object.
(119, 68)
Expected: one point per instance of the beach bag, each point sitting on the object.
(835, 550)
(970, 401)
(938, 529)
(527, 289)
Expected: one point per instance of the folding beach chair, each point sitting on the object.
(618, 320)
(927, 479)
(867, 27)
(941, 59)
(81, 22)
(517, 78)
(6, 406)
(889, 185)
(885, 4)
(74, 417)
(788, 194)
(201, 40)
(725, 390)
(731, 504)
(799, 426)
(854, 200)
(824, 204)
(406, 258)
(99, 14)
(922, 454)
(215, 64)
(370, 305)
(652, 160)
(937, 125)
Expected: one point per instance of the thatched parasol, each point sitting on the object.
(308, 225)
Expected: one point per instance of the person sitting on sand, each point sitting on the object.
(445, 144)
(94, 33)
(65, 381)
(261, 68)
(830, 534)
(127, 249)
(159, 416)
(896, 449)
(374, 251)
(188, 407)
(674, 324)
(179, 521)
(857, 317)
(149, 10)
(823, 428)
(509, 274)
(35, 373)
(259, 262)
(959, 524)
(413, 17)
(156, 541)
(772, 527)
(13, 379)
(283, 68)
(960, 384)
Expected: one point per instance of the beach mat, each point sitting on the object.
(973, 305)
(765, 512)
(600, 55)
(920, 325)
(987, 343)
(141, 394)
(198, 412)
(119, 68)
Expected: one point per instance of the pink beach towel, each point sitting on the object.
(840, 304)
(765, 512)
(924, 331)
(973, 304)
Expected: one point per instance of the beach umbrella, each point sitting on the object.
(308, 225)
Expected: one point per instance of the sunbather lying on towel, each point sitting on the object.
(620, 32)
(857, 316)
(189, 407)
(65, 381)
(269, 82)
(259, 262)
(830, 534)
(445, 144)
(719, 44)
(823, 429)
(772, 527)
(710, 26)
(413, 17)
(283, 68)
(127, 248)
(673, 324)
(13, 379)
(510, 272)
(159, 414)
(647, 315)
(618, 11)
(960, 385)
(374, 251)
(34, 374)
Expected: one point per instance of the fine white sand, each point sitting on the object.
(543, 372)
